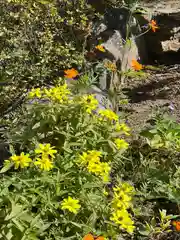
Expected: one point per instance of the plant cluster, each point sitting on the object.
(75, 172)
(70, 176)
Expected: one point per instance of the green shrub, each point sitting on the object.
(65, 191)
(39, 39)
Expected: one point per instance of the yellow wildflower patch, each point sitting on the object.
(121, 144)
(44, 163)
(35, 92)
(122, 127)
(121, 217)
(70, 204)
(108, 114)
(89, 103)
(46, 149)
(91, 160)
(121, 202)
(58, 94)
(21, 161)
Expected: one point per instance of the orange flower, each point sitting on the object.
(88, 237)
(91, 237)
(71, 73)
(135, 65)
(176, 224)
(153, 25)
(100, 48)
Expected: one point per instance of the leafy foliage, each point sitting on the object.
(39, 40)
(72, 171)
(70, 124)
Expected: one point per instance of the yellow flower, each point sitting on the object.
(90, 156)
(121, 144)
(21, 161)
(100, 48)
(124, 187)
(122, 218)
(127, 188)
(110, 66)
(35, 92)
(91, 160)
(123, 128)
(108, 114)
(44, 163)
(94, 153)
(89, 103)
(71, 73)
(59, 93)
(94, 167)
(46, 149)
(105, 171)
(121, 200)
(70, 204)
(101, 169)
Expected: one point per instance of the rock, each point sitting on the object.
(163, 6)
(166, 41)
(113, 34)
(102, 97)
(4, 153)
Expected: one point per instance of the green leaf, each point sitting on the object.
(18, 225)
(16, 209)
(77, 224)
(6, 167)
(37, 125)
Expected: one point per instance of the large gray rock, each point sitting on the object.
(5, 153)
(113, 33)
(161, 6)
(166, 41)
(102, 97)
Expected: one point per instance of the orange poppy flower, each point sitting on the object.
(100, 48)
(176, 224)
(153, 25)
(91, 237)
(71, 73)
(135, 65)
(88, 237)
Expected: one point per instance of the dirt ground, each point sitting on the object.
(160, 90)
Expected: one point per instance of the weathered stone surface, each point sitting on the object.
(104, 102)
(113, 34)
(166, 41)
(4, 153)
(162, 6)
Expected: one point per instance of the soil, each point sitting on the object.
(160, 90)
